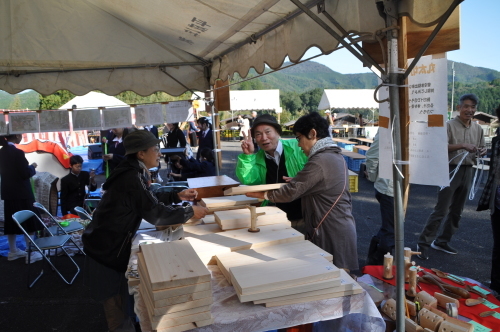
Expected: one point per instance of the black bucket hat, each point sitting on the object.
(267, 119)
(139, 140)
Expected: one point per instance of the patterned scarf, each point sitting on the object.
(321, 144)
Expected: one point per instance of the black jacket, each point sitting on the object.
(73, 191)
(16, 173)
(205, 142)
(127, 200)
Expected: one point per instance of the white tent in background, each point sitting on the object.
(245, 100)
(93, 100)
(347, 98)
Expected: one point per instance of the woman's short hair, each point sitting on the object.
(312, 121)
(207, 154)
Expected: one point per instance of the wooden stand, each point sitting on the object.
(388, 259)
(253, 215)
(412, 290)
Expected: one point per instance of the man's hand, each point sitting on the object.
(188, 195)
(482, 151)
(287, 178)
(259, 194)
(92, 175)
(199, 211)
(107, 157)
(469, 147)
(35, 165)
(247, 143)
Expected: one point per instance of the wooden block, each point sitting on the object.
(443, 299)
(411, 326)
(197, 230)
(347, 287)
(281, 273)
(172, 264)
(241, 190)
(157, 295)
(205, 250)
(241, 218)
(209, 219)
(183, 298)
(133, 281)
(160, 311)
(164, 323)
(225, 261)
(242, 239)
(211, 186)
(188, 326)
(213, 202)
(455, 325)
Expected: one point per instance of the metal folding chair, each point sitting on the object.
(82, 213)
(73, 227)
(91, 204)
(44, 245)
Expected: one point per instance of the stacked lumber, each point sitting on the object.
(226, 261)
(282, 277)
(209, 245)
(216, 202)
(175, 286)
(234, 219)
(241, 190)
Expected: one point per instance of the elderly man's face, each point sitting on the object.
(266, 137)
(467, 110)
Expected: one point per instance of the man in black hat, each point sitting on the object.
(127, 200)
(275, 162)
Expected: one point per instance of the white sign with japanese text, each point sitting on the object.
(86, 119)
(24, 122)
(3, 124)
(146, 115)
(116, 117)
(428, 108)
(51, 121)
(178, 111)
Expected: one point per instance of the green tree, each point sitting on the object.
(16, 103)
(55, 100)
(291, 101)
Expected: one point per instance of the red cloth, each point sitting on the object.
(473, 312)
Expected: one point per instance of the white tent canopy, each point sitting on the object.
(93, 100)
(352, 98)
(243, 100)
(173, 46)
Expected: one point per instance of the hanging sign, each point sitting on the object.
(3, 125)
(24, 122)
(51, 121)
(146, 115)
(178, 111)
(116, 117)
(86, 119)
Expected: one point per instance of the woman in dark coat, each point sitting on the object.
(175, 136)
(323, 185)
(17, 194)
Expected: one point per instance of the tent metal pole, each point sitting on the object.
(214, 131)
(392, 37)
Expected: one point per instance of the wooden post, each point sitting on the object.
(221, 103)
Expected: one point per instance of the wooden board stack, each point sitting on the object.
(226, 261)
(234, 219)
(282, 277)
(209, 245)
(175, 286)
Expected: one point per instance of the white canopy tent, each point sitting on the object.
(175, 46)
(244, 100)
(347, 98)
(93, 100)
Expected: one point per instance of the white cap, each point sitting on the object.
(327, 111)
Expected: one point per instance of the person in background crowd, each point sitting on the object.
(328, 115)
(252, 120)
(153, 129)
(490, 199)
(464, 136)
(116, 150)
(276, 161)
(383, 242)
(206, 136)
(17, 194)
(108, 238)
(73, 192)
(245, 126)
(176, 136)
(323, 186)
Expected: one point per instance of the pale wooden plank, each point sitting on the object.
(194, 231)
(296, 289)
(281, 273)
(172, 264)
(242, 239)
(346, 284)
(164, 294)
(241, 190)
(189, 326)
(208, 219)
(241, 218)
(225, 261)
(206, 250)
(316, 297)
(213, 202)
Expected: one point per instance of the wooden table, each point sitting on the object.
(340, 140)
(211, 186)
(364, 140)
(353, 155)
(362, 147)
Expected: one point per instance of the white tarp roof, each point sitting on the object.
(173, 46)
(93, 100)
(243, 100)
(347, 98)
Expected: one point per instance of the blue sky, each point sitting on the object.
(480, 41)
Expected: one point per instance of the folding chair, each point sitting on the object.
(73, 227)
(82, 213)
(43, 244)
(90, 204)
